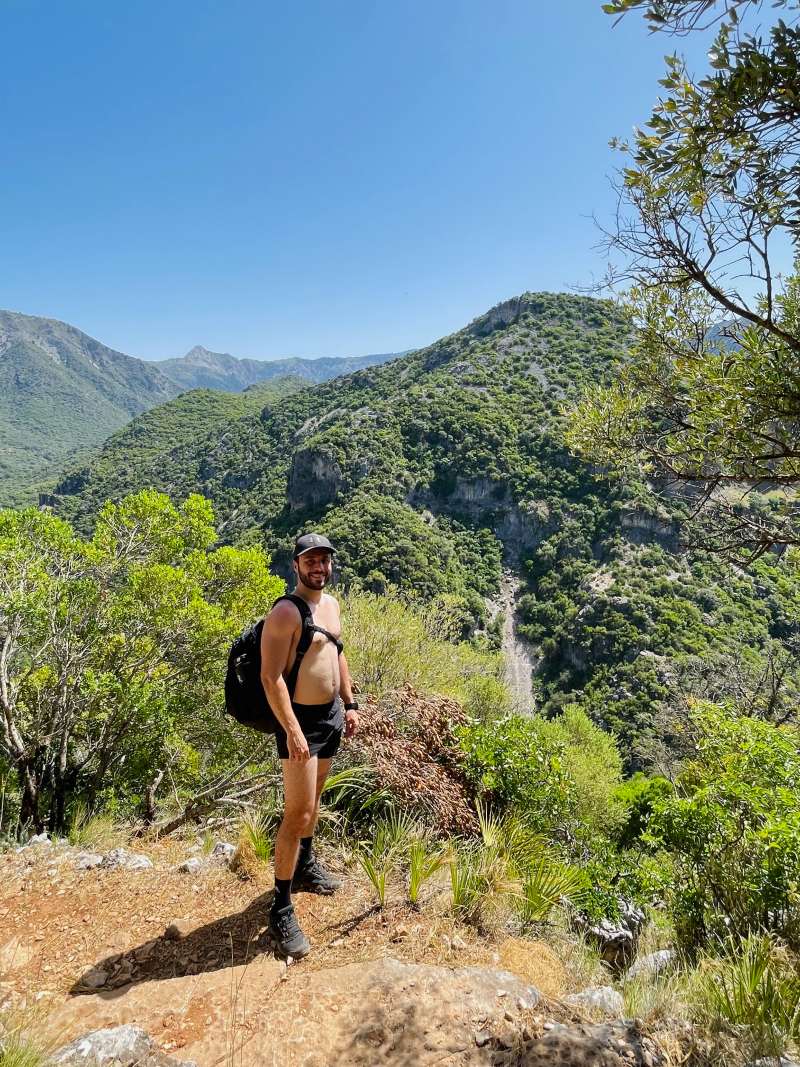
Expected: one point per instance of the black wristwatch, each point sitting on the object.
(352, 706)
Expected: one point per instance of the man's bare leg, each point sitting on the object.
(309, 873)
(301, 792)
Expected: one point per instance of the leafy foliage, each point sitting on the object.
(371, 458)
(733, 826)
(558, 775)
(711, 395)
(752, 990)
(114, 648)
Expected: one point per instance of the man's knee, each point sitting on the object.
(296, 820)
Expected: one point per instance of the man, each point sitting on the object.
(313, 722)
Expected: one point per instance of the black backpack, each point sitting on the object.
(245, 698)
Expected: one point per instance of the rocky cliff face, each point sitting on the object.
(482, 501)
(315, 479)
(641, 527)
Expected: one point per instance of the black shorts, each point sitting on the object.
(322, 726)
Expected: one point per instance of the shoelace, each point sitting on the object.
(287, 924)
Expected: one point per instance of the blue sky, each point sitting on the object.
(306, 179)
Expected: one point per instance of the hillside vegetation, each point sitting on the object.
(433, 472)
(61, 391)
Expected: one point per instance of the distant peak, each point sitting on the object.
(199, 353)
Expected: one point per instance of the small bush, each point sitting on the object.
(19, 1044)
(654, 998)
(424, 860)
(752, 991)
(733, 828)
(379, 857)
(255, 842)
(97, 832)
(392, 641)
(559, 775)
(548, 882)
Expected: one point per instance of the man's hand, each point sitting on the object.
(297, 745)
(350, 723)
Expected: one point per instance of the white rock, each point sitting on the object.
(86, 861)
(654, 963)
(223, 852)
(191, 866)
(600, 998)
(38, 839)
(118, 1046)
(131, 861)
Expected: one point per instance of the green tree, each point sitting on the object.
(711, 396)
(733, 826)
(112, 650)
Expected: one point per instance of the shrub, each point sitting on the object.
(753, 990)
(559, 775)
(733, 826)
(424, 860)
(393, 641)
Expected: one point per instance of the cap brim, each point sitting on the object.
(315, 548)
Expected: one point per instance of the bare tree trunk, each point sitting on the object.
(29, 806)
(150, 798)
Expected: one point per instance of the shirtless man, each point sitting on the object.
(313, 723)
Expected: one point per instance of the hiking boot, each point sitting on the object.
(285, 928)
(313, 877)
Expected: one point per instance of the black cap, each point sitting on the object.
(305, 542)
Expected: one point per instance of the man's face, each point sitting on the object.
(314, 568)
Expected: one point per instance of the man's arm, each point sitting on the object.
(346, 693)
(276, 640)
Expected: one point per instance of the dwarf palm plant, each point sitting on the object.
(424, 860)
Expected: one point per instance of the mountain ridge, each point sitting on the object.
(201, 368)
(63, 392)
(436, 472)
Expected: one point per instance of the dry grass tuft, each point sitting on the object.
(536, 963)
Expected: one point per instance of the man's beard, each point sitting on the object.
(315, 581)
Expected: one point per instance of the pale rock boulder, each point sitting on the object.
(120, 1046)
(130, 861)
(654, 964)
(87, 861)
(223, 852)
(602, 998)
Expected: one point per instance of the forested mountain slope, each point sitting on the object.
(432, 471)
(136, 454)
(412, 461)
(60, 391)
(202, 369)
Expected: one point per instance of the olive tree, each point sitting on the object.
(709, 209)
(112, 649)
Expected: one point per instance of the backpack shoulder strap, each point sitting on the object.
(306, 637)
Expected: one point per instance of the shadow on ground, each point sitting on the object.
(231, 941)
(228, 942)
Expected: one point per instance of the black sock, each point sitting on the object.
(305, 854)
(283, 893)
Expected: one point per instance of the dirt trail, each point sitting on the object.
(519, 657)
(217, 994)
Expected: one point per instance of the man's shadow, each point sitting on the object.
(227, 942)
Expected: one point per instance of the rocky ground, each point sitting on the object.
(180, 950)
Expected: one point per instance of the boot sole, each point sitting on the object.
(296, 954)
